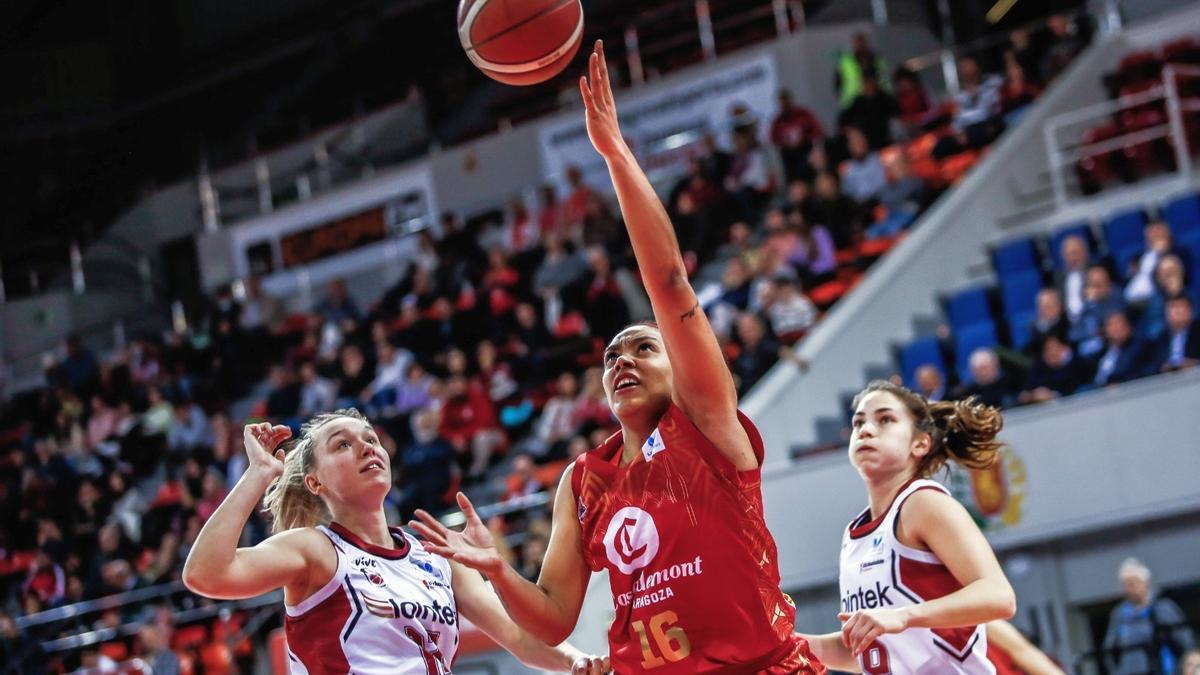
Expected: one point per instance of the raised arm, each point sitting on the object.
(217, 568)
(704, 387)
(935, 521)
(548, 609)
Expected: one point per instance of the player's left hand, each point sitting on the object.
(859, 629)
(591, 665)
(602, 126)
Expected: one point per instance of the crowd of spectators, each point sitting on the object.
(480, 368)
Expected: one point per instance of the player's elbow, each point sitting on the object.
(199, 578)
(553, 633)
(1004, 600)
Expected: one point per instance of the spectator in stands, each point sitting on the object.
(391, 366)
(600, 226)
(836, 211)
(813, 254)
(557, 423)
(1017, 92)
(1179, 346)
(1100, 300)
(190, 429)
(317, 394)
(714, 161)
(913, 106)
(930, 382)
(789, 311)
(521, 232)
(1190, 664)
(903, 197)
(1056, 373)
(1125, 355)
(1170, 280)
(1074, 254)
(794, 130)
(427, 465)
(522, 482)
(261, 312)
(337, 306)
(853, 66)
(550, 212)
(494, 376)
(977, 110)
(156, 650)
(469, 421)
(575, 206)
(1147, 633)
(560, 268)
(533, 552)
(591, 406)
(863, 176)
(604, 304)
(1050, 320)
(283, 400)
(353, 376)
(1065, 39)
(759, 351)
(418, 390)
(79, 366)
(1025, 53)
(751, 181)
(1140, 286)
(872, 111)
(987, 383)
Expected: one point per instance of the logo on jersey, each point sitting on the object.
(390, 609)
(653, 445)
(367, 567)
(631, 540)
(869, 598)
(429, 568)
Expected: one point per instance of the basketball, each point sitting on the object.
(520, 42)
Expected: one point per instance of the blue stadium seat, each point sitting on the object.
(1183, 214)
(1018, 292)
(1125, 230)
(1020, 328)
(916, 354)
(1016, 256)
(1082, 229)
(967, 340)
(1124, 257)
(968, 307)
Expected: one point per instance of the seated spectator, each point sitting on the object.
(591, 406)
(470, 423)
(1125, 355)
(521, 232)
(317, 394)
(1017, 92)
(903, 197)
(872, 111)
(1179, 346)
(1100, 300)
(1074, 254)
(1025, 53)
(913, 106)
(560, 268)
(102, 423)
(550, 212)
(522, 482)
(495, 376)
(715, 162)
(159, 415)
(391, 365)
(987, 380)
(813, 254)
(600, 226)
(863, 177)
(1065, 39)
(1146, 630)
(931, 383)
(794, 130)
(417, 391)
(190, 429)
(1170, 280)
(750, 181)
(557, 423)
(759, 351)
(977, 111)
(574, 208)
(789, 311)
(337, 306)
(1056, 373)
(603, 303)
(836, 211)
(352, 375)
(740, 243)
(1050, 320)
(426, 466)
(1140, 286)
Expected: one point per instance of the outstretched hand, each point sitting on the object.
(262, 447)
(602, 125)
(472, 547)
(591, 665)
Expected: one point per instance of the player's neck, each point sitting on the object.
(882, 494)
(370, 526)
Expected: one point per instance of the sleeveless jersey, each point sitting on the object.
(693, 569)
(879, 571)
(384, 611)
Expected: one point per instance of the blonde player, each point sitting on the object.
(918, 580)
(360, 597)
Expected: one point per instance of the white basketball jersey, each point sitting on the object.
(384, 611)
(879, 571)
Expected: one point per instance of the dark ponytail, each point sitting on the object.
(963, 432)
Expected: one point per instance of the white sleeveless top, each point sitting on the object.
(384, 611)
(878, 571)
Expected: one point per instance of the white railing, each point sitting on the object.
(1061, 132)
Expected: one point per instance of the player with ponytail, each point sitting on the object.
(918, 580)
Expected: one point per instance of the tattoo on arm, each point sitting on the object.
(690, 313)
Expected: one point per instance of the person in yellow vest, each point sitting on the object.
(853, 65)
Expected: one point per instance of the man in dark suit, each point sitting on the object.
(1179, 346)
(1051, 320)
(1125, 355)
(1057, 372)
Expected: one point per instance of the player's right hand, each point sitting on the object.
(473, 546)
(262, 447)
(591, 665)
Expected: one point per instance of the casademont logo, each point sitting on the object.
(631, 540)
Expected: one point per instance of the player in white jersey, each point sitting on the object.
(360, 597)
(918, 580)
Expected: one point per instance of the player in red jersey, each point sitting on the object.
(359, 596)
(1013, 654)
(918, 580)
(671, 506)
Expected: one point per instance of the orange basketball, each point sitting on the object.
(520, 41)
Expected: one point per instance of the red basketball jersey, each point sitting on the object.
(693, 569)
